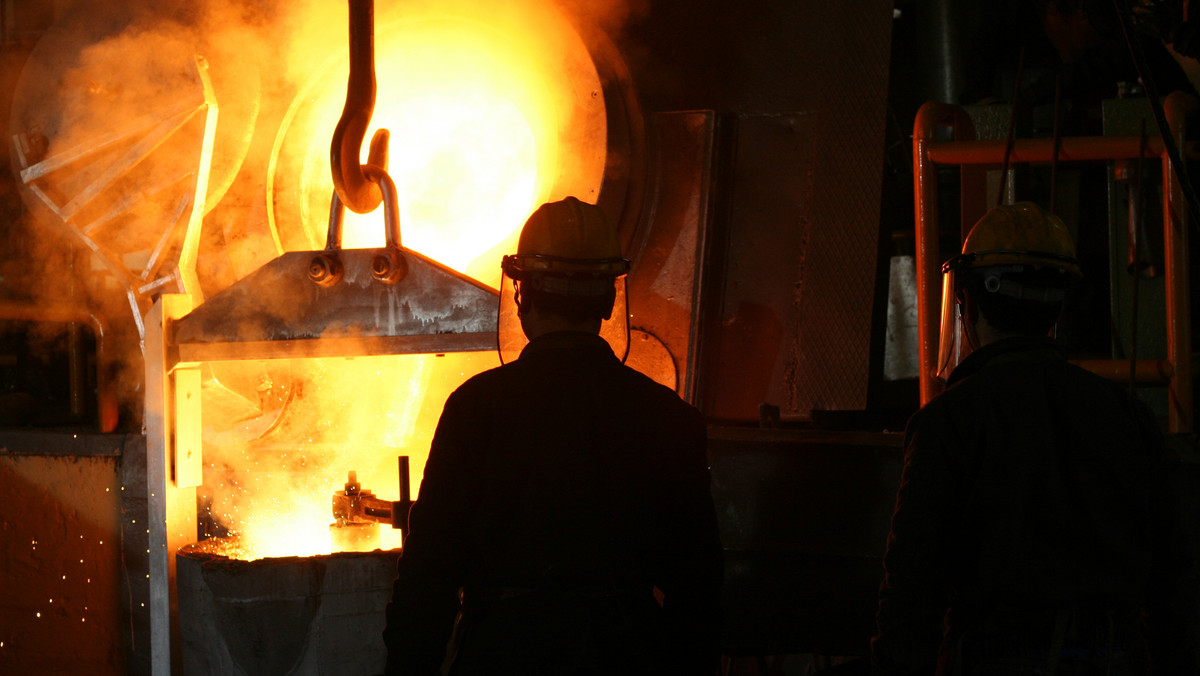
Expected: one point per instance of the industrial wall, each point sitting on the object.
(61, 536)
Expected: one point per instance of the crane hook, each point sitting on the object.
(357, 191)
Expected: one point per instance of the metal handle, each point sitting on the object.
(391, 210)
(400, 510)
(388, 266)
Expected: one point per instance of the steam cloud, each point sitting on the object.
(103, 80)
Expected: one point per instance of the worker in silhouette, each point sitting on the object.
(564, 517)
(1034, 531)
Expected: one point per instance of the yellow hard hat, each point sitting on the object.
(1018, 251)
(567, 249)
(1020, 234)
(567, 237)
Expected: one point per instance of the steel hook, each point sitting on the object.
(357, 191)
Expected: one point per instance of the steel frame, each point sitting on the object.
(975, 157)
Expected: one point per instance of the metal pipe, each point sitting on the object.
(106, 403)
(931, 116)
(1011, 136)
(928, 153)
(405, 479)
(1177, 107)
(1134, 256)
(402, 507)
(1041, 150)
(1057, 141)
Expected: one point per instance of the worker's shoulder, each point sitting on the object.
(580, 369)
(1017, 384)
(489, 381)
(636, 378)
(651, 390)
(538, 379)
(1072, 379)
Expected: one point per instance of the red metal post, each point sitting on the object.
(929, 259)
(964, 150)
(1175, 237)
(1073, 149)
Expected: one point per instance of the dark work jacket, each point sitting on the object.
(560, 490)
(1034, 516)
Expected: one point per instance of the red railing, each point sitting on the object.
(975, 157)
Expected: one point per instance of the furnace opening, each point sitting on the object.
(490, 115)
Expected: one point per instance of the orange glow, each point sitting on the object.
(489, 116)
(469, 177)
(271, 474)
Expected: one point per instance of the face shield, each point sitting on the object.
(1017, 279)
(953, 342)
(511, 335)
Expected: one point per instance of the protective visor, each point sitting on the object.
(953, 342)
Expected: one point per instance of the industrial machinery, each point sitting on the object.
(299, 322)
(287, 342)
(356, 507)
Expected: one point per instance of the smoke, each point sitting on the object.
(112, 104)
(107, 132)
(106, 75)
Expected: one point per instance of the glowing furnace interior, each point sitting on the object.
(490, 115)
